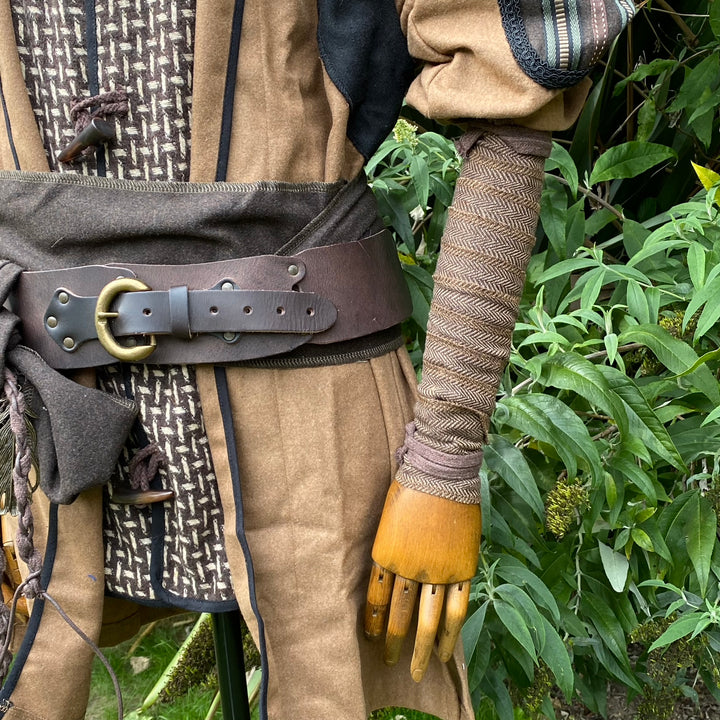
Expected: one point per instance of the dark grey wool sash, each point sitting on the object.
(51, 221)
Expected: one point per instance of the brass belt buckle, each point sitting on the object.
(103, 315)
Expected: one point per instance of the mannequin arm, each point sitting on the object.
(429, 535)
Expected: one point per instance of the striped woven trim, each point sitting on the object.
(557, 42)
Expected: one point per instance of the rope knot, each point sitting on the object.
(144, 466)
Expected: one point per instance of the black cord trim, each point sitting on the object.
(8, 128)
(92, 71)
(526, 55)
(221, 384)
(229, 94)
(35, 617)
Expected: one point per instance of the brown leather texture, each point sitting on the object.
(352, 289)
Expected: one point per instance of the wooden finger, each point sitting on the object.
(402, 606)
(379, 593)
(431, 606)
(456, 605)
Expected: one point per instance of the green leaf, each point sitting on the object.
(545, 338)
(701, 537)
(611, 345)
(654, 67)
(565, 268)
(551, 421)
(629, 160)
(570, 371)
(520, 600)
(553, 216)
(516, 626)
(594, 281)
(676, 355)
(642, 539)
(643, 421)
(625, 464)
(696, 264)
(513, 571)
(556, 656)
(560, 159)
(715, 18)
(420, 292)
(616, 567)
(637, 303)
(472, 628)
(503, 458)
(607, 625)
(421, 179)
(683, 626)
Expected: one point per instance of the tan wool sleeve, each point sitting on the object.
(469, 71)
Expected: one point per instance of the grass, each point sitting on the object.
(138, 665)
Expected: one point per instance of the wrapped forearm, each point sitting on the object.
(479, 279)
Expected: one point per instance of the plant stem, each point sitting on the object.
(593, 196)
(688, 34)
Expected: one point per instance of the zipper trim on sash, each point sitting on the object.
(229, 94)
(8, 129)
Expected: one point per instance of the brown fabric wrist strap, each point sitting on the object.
(440, 465)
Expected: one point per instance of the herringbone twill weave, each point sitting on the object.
(480, 275)
(144, 47)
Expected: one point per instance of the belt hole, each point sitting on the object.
(247, 310)
(214, 310)
(280, 310)
(310, 311)
(147, 312)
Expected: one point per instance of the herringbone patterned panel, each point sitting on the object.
(478, 282)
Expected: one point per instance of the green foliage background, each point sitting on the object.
(601, 490)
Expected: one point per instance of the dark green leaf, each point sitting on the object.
(557, 658)
(701, 537)
(550, 420)
(683, 626)
(629, 160)
(503, 458)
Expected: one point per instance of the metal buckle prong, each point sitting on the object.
(103, 315)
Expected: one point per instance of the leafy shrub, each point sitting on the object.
(601, 482)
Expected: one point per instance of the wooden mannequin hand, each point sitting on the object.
(426, 546)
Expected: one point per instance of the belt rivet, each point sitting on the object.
(52, 322)
(69, 343)
(293, 270)
(63, 298)
(229, 336)
(227, 286)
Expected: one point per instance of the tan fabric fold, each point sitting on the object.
(316, 457)
(470, 71)
(45, 690)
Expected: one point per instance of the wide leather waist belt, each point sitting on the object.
(225, 311)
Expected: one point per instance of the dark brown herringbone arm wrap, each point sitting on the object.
(479, 279)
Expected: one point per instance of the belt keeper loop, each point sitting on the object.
(179, 307)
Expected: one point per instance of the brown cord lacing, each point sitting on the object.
(144, 466)
(82, 111)
(31, 587)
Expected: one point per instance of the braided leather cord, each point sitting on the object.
(479, 279)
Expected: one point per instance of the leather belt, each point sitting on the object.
(224, 311)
